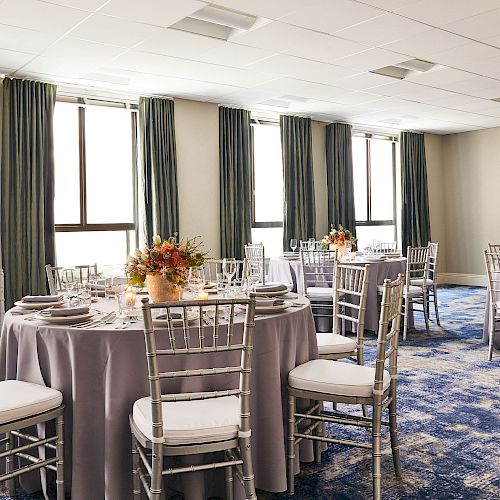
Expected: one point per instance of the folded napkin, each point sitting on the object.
(42, 298)
(97, 287)
(260, 302)
(65, 311)
(271, 287)
(173, 315)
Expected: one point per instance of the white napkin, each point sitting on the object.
(271, 287)
(260, 302)
(65, 311)
(42, 298)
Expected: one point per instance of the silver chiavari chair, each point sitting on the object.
(386, 247)
(494, 248)
(23, 406)
(256, 261)
(305, 245)
(57, 276)
(2, 296)
(213, 267)
(204, 422)
(492, 261)
(321, 380)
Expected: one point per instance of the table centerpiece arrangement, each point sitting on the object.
(163, 267)
(338, 239)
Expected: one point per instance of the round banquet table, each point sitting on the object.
(290, 271)
(102, 371)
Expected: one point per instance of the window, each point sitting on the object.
(95, 183)
(267, 223)
(374, 172)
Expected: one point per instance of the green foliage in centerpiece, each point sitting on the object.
(170, 258)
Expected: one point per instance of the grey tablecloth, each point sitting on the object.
(102, 371)
(291, 272)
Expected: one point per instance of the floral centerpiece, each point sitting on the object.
(163, 267)
(337, 239)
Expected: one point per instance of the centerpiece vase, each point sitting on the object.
(340, 249)
(162, 290)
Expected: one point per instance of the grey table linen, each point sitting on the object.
(102, 371)
(291, 272)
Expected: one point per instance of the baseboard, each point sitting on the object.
(462, 279)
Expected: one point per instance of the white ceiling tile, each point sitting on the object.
(371, 59)
(363, 81)
(440, 77)
(63, 67)
(389, 5)
(14, 60)
(469, 52)
(426, 44)
(283, 86)
(480, 27)
(41, 16)
(328, 16)
(482, 107)
(113, 31)
(232, 54)
(442, 12)
(24, 40)
(478, 86)
(88, 5)
(464, 117)
(381, 30)
(273, 9)
(452, 100)
(82, 50)
(179, 43)
(156, 12)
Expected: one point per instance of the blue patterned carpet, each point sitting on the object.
(449, 418)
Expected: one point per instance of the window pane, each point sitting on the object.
(110, 187)
(382, 180)
(89, 247)
(66, 161)
(359, 176)
(365, 234)
(268, 174)
(271, 237)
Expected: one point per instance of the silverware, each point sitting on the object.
(94, 322)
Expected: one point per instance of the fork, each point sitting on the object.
(94, 322)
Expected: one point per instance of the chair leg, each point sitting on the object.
(393, 427)
(156, 470)
(376, 450)
(228, 471)
(435, 297)
(136, 482)
(491, 334)
(319, 432)
(426, 310)
(405, 321)
(10, 466)
(248, 476)
(60, 458)
(291, 445)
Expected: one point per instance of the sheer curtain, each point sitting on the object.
(340, 176)
(298, 177)
(159, 167)
(415, 223)
(236, 166)
(27, 186)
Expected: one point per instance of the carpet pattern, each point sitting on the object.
(449, 418)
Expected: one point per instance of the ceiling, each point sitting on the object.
(302, 57)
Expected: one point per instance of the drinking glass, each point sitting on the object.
(196, 280)
(68, 280)
(85, 293)
(221, 283)
(311, 244)
(119, 283)
(253, 278)
(348, 251)
(293, 244)
(229, 269)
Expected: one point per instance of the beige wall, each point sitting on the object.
(197, 143)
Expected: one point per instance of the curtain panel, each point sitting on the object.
(415, 221)
(160, 202)
(298, 178)
(339, 176)
(236, 170)
(27, 186)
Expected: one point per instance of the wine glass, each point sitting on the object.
(293, 244)
(311, 244)
(119, 283)
(196, 280)
(253, 278)
(229, 269)
(68, 280)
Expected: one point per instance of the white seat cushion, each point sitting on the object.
(186, 422)
(413, 291)
(319, 291)
(23, 399)
(420, 281)
(335, 377)
(332, 343)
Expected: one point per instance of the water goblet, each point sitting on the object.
(293, 244)
(229, 269)
(196, 280)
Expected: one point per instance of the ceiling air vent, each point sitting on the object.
(406, 68)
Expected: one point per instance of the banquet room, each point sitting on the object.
(249, 249)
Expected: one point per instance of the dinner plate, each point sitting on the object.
(38, 305)
(277, 293)
(271, 309)
(191, 316)
(65, 320)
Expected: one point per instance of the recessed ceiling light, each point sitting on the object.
(416, 65)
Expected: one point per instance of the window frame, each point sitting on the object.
(83, 225)
(369, 221)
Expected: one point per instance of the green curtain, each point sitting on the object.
(27, 186)
(339, 176)
(416, 229)
(236, 169)
(298, 177)
(159, 167)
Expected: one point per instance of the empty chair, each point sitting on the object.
(255, 257)
(306, 245)
(24, 405)
(213, 267)
(494, 247)
(193, 423)
(492, 260)
(338, 382)
(57, 276)
(386, 247)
